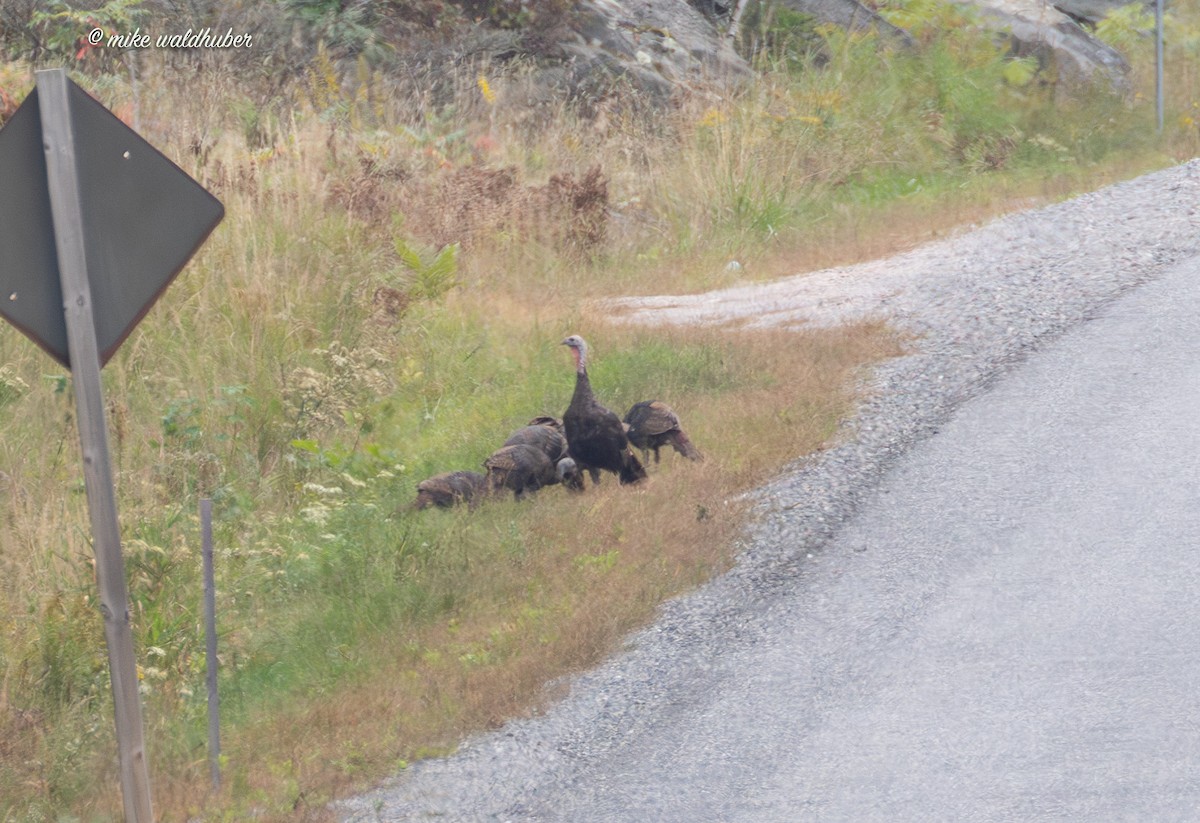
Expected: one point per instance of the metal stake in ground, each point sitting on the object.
(66, 208)
(210, 638)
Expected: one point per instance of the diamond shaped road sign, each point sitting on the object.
(143, 219)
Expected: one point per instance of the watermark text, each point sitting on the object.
(204, 38)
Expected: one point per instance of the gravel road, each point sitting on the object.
(978, 304)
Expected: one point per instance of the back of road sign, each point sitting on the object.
(144, 219)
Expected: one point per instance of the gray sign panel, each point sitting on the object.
(143, 219)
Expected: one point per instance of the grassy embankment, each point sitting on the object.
(306, 370)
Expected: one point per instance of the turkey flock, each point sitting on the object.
(589, 438)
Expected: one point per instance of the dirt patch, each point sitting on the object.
(822, 299)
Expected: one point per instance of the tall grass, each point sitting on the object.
(326, 350)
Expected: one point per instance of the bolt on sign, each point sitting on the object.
(94, 224)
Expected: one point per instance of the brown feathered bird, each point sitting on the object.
(545, 433)
(449, 489)
(595, 437)
(523, 469)
(652, 424)
(552, 422)
(541, 436)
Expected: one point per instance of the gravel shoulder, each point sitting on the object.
(975, 305)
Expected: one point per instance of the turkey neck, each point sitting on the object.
(583, 387)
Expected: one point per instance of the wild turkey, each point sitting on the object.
(552, 422)
(524, 469)
(545, 433)
(542, 436)
(569, 474)
(449, 489)
(595, 436)
(652, 424)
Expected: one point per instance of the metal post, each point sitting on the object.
(1158, 62)
(210, 635)
(67, 213)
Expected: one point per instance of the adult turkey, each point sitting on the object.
(449, 489)
(523, 469)
(595, 436)
(652, 424)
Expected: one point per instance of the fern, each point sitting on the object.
(434, 278)
(1020, 72)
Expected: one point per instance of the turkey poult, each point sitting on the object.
(545, 433)
(524, 469)
(595, 436)
(449, 489)
(652, 424)
(569, 474)
(541, 436)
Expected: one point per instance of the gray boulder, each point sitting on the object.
(1047, 31)
(660, 46)
(848, 14)
(666, 46)
(1090, 11)
(1041, 30)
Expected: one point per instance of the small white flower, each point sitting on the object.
(315, 514)
(324, 491)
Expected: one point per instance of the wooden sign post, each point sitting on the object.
(93, 230)
(63, 183)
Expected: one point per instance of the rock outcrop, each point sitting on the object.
(1089, 11)
(661, 46)
(1057, 40)
(850, 15)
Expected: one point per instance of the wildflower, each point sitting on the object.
(11, 385)
(317, 514)
(485, 88)
(712, 118)
(325, 491)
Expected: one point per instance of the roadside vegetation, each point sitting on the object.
(384, 301)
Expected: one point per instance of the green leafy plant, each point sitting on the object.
(65, 30)
(777, 35)
(1127, 27)
(347, 28)
(434, 275)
